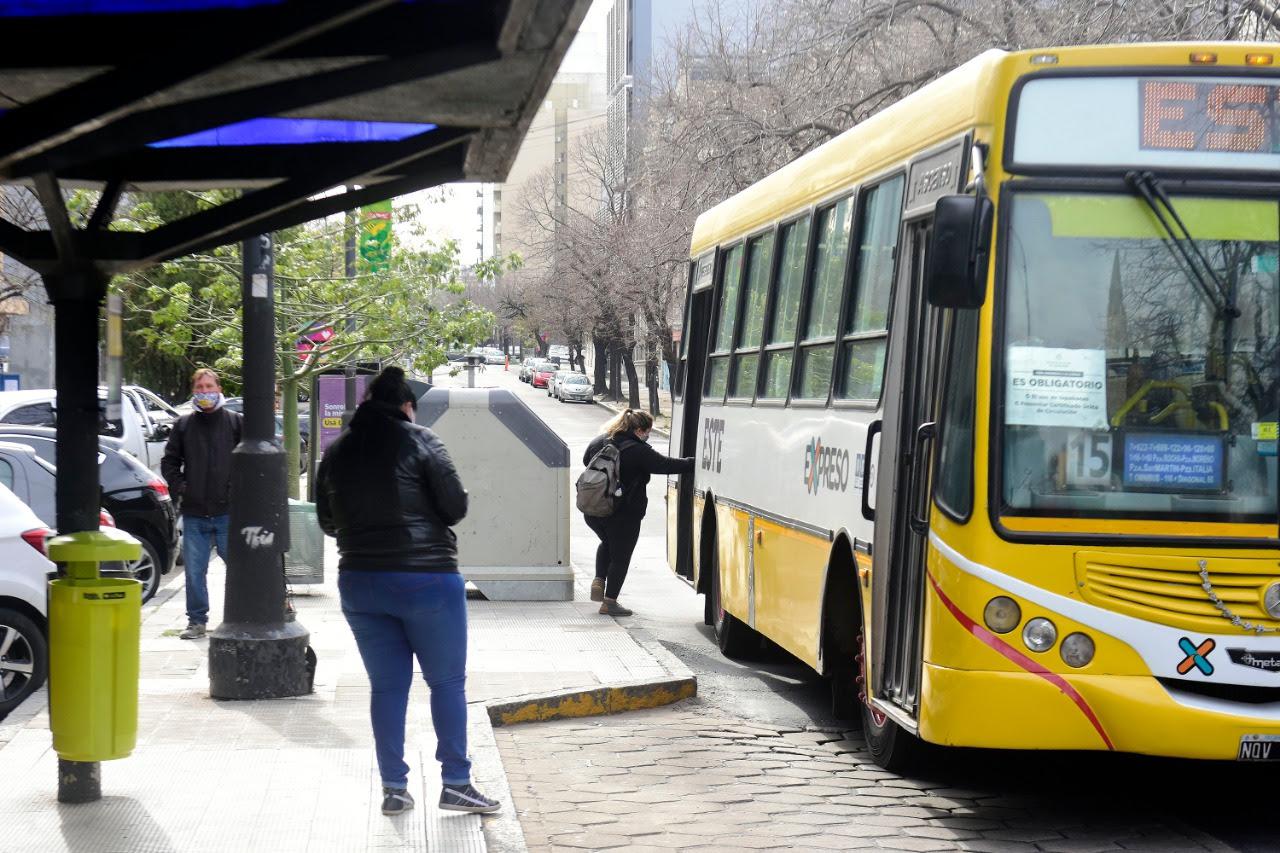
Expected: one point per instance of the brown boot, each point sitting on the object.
(611, 607)
(597, 589)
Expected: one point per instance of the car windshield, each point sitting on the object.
(1131, 388)
(575, 380)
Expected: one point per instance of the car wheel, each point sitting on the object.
(146, 569)
(24, 658)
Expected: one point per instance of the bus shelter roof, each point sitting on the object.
(282, 99)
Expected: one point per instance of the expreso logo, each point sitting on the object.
(825, 467)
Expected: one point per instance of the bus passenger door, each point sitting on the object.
(684, 435)
(906, 446)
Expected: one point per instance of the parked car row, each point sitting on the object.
(145, 419)
(135, 497)
(564, 385)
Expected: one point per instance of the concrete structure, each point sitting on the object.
(26, 318)
(516, 470)
(575, 107)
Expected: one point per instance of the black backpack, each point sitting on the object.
(599, 486)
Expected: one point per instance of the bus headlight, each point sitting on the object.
(1039, 634)
(1002, 614)
(1077, 649)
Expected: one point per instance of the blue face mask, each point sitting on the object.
(206, 401)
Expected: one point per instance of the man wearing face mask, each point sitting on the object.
(197, 467)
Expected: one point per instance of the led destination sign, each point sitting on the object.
(1179, 115)
(1185, 122)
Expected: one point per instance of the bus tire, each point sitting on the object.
(735, 638)
(892, 747)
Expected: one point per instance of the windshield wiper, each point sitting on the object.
(1148, 188)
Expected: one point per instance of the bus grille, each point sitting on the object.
(1168, 590)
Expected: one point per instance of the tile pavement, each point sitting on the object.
(690, 778)
(297, 774)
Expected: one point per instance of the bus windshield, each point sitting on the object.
(1131, 387)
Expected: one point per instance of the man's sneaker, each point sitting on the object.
(396, 801)
(611, 607)
(194, 631)
(465, 798)
(597, 589)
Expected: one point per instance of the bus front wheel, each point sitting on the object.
(892, 747)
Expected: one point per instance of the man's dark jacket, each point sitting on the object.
(388, 490)
(197, 460)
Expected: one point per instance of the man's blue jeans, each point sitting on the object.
(199, 533)
(395, 616)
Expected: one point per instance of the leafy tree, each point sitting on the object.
(411, 312)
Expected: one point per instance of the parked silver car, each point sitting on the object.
(575, 387)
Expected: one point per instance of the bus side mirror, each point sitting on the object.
(956, 274)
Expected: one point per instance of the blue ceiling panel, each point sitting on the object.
(296, 131)
(57, 8)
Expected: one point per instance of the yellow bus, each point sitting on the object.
(984, 396)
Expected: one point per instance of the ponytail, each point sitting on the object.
(628, 421)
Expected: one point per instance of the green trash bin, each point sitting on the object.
(95, 627)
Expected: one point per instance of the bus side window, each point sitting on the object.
(780, 340)
(746, 361)
(830, 258)
(954, 489)
(726, 314)
(866, 334)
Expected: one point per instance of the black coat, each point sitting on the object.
(388, 490)
(637, 461)
(197, 460)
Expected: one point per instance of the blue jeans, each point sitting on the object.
(395, 616)
(198, 536)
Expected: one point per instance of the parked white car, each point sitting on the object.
(145, 417)
(24, 572)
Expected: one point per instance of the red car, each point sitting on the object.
(542, 376)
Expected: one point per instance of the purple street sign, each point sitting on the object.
(332, 395)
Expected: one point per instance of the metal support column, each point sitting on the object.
(76, 297)
(255, 653)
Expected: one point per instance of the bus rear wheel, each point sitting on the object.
(735, 638)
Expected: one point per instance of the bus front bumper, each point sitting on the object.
(1022, 710)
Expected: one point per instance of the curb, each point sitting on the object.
(502, 830)
(679, 684)
(593, 702)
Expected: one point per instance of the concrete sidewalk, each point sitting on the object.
(299, 774)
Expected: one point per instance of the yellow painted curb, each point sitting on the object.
(592, 703)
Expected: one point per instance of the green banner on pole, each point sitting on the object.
(375, 235)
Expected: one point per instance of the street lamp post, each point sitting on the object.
(255, 653)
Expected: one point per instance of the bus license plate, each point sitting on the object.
(1259, 748)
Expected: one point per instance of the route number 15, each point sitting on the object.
(1089, 459)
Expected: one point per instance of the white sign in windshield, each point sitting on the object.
(1049, 386)
(1188, 122)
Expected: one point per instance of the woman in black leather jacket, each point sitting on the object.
(388, 491)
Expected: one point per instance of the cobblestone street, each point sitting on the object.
(691, 778)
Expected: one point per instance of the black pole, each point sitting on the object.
(349, 259)
(255, 653)
(76, 298)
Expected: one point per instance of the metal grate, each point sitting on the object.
(1168, 590)
(304, 561)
